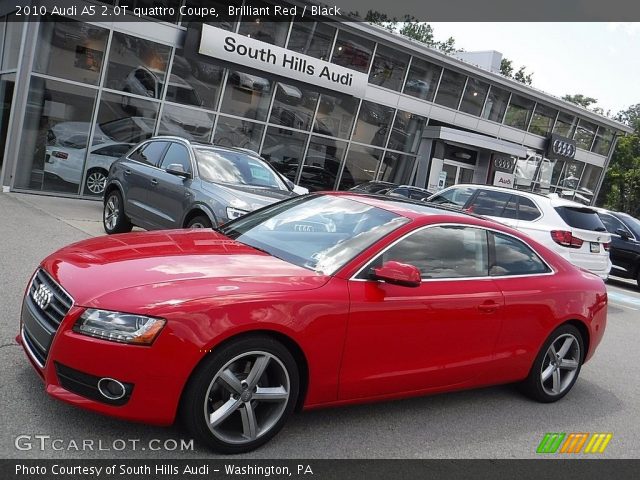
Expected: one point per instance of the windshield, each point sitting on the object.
(226, 166)
(318, 232)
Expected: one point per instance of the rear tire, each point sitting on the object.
(241, 395)
(114, 220)
(557, 366)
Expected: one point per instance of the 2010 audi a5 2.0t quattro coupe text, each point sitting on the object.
(320, 300)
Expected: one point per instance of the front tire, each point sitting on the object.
(241, 395)
(114, 220)
(557, 365)
(199, 221)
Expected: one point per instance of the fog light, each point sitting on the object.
(111, 388)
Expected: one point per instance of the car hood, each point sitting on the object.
(246, 197)
(170, 266)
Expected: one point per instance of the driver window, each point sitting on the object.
(177, 154)
(444, 252)
(612, 224)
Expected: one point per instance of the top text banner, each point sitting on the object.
(338, 10)
(231, 47)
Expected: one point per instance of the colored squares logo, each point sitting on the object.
(574, 443)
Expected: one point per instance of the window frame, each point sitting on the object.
(491, 238)
(144, 145)
(360, 274)
(191, 169)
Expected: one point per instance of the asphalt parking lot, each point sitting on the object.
(488, 423)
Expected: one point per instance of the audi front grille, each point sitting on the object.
(45, 306)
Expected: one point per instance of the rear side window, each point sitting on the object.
(582, 218)
(489, 203)
(513, 257)
(527, 210)
(456, 196)
(149, 153)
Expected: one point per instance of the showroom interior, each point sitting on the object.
(77, 95)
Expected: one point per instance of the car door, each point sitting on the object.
(531, 295)
(138, 172)
(169, 194)
(403, 339)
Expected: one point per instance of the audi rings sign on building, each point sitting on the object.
(504, 164)
(561, 148)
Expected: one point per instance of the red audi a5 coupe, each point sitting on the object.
(324, 299)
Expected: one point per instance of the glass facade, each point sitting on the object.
(496, 104)
(474, 96)
(519, 112)
(543, 120)
(389, 68)
(93, 92)
(450, 89)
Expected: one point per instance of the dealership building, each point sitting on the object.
(329, 104)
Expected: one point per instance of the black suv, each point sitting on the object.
(625, 243)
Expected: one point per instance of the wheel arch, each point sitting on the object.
(584, 331)
(198, 210)
(288, 342)
(110, 188)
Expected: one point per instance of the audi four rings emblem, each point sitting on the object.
(42, 296)
(502, 162)
(563, 148)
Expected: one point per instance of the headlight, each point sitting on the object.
(233, 213)
(119, 327)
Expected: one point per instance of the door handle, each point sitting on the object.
(154, 182)
(127, 172)
(488, 307)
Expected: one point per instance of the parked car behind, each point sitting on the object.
(66, 163)
(393, 190)
(376, 186)
(569, 228)
(625, 243)
(409, 191)
(170, 182)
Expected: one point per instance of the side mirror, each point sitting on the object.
(623, 234)
(177, 170)
(398, 273)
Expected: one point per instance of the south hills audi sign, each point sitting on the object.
(560, 148)
(231, 47)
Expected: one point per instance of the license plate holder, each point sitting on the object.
(595, 247)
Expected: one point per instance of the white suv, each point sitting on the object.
(569, 228)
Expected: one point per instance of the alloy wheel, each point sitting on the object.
(111, 212)
(96, 182)
(560, 364)
(247, 397)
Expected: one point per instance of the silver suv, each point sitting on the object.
(170, 182)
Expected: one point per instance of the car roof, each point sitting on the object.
(553, 199)
(206, 145)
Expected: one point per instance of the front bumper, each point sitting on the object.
(74, 363)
